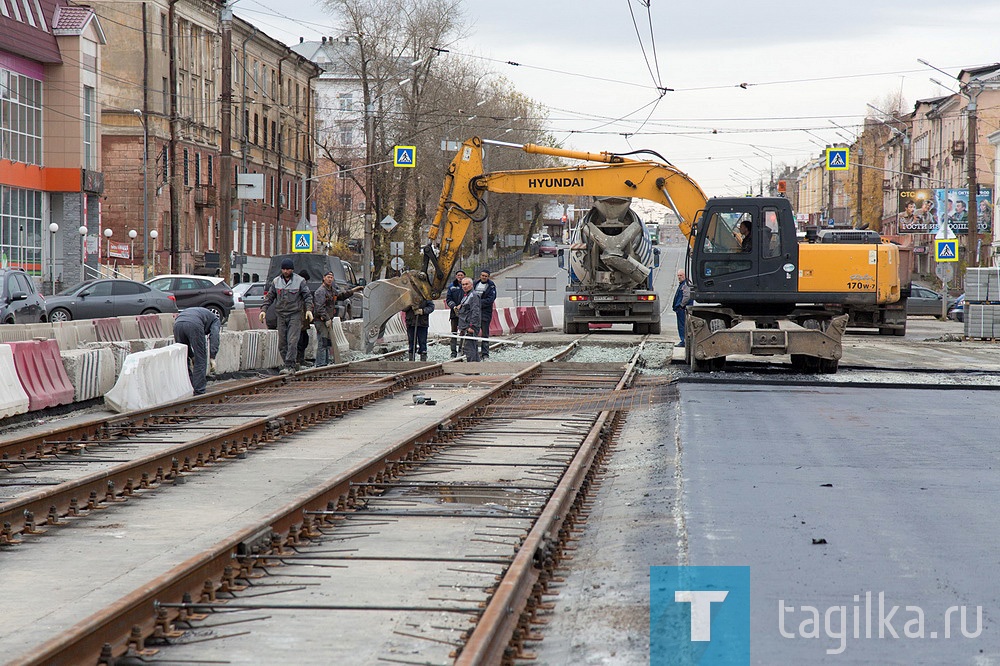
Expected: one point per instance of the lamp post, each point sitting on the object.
(53, 228)
(107, 234)
(145, 198)
(83, 252)
(132, 233)
(153, 234)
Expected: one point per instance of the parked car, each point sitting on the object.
(957, 310)
(539, 237)
(197, 291)
(547, 248)
(20, 302)
(924, 301)
(108, 298)
(248, 295)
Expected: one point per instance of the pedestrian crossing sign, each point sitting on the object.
(302, 241)
(837, 159)
(404, 156)
(946, 250)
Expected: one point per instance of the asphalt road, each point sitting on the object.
(903, 496)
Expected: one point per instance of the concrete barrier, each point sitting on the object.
(13, 398)
(151, 378)
(544, 317)
(167, 324)
(508, 320)
(109, 329)
(496, 330)
(337, 336)
(230, 352)
(149, 326)
(238, 321)
(395, 330)
(41, 373)
(42, 331)
(90, 371)
(270, 355)
(250, 350)
(439, 322)
(527, 321)
(504, 302)
(130, 328)
(353, 331)
(85, 330)
(14, 332)
(119, 351)
(557, 312)
(66, 336)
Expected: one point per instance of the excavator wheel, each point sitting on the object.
(829, 366)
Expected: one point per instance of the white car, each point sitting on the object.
(538, 238)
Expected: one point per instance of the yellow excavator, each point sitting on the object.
(756, 289)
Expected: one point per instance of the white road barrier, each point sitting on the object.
(151, 378)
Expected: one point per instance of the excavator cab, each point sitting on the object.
(745, 253)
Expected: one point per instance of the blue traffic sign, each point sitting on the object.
(302, 241)
(404, 156)
(946, 250)
(837, 159)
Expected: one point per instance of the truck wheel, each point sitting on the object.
(654, 328)
(899, 332)
(640, 329)
(717, 364)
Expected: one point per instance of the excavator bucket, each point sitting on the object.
(384, 298)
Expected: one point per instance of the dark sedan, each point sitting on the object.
(548, 248)
(20, 302)
(191, 291)
(957, 309)
(108, 298)
(925, 301)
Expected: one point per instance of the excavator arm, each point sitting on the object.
(461, 203)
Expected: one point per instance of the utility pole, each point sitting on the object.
(859, 223)
(175, 174)
(225, 202)
(972, 250)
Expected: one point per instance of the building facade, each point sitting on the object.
(164, 207)
(50, 166)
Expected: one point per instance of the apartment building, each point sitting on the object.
(50, 164)
(164, 67)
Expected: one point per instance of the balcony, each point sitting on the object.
(204, 195)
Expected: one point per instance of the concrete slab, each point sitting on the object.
(90, 371)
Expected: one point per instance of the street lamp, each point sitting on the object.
(52, 255)
(107, 234)
(132, 233)
(145, 198)
(153, 234)
(83, 252)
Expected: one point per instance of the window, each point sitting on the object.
(274, 133)
(89, 129)
(21, 227)
(265, 133)
(164, 42)
(256, 129)
(163, 284)
(20, 118)
(346, 135)
(256, 80)
(166, 165)
(166, 97)
(197, 170)
(126, 288)
(771, 241)
(98, 289)
(210, 168)
(185, 166)
(345, 101)
(246, 125)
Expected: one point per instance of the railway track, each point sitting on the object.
(518, 496)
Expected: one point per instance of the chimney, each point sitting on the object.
(324, 40)
(301, 39)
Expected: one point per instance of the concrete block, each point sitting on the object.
(249, 350)
(130, 328)
(90, 371)
(167, 324)
(545, 317)
(13, 398)
(151, 378)
(230, 352)
(119, 350)
(238, 321)
(40, 331)
(557, 316)
(353, 331)
(85, 330)
(270, 354)
(14, 332)
(65, 333)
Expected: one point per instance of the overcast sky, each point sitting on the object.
(804, 63)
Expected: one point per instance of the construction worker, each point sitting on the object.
(470, 316)
(325, 308)
(291, 298)
(191, 327)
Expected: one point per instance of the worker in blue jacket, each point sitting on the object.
(191, 327)
(487, 291)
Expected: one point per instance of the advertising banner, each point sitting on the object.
(923, 211)
(954, 204)
(917, 212)
(118, 250)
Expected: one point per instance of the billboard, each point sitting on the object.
(923, 211)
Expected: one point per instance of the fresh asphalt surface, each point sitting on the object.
(903, 494)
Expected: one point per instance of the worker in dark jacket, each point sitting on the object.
(300, 348)
(470, 313)
(292, 302)
(452, 299)
(417, 321)
(325, 308)
(487, 291)
(682, 297)
(191, 327)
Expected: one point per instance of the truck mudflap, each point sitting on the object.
(814, 340)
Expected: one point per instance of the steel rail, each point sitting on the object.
(152, 609)
(52, 504)
(501, 630)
